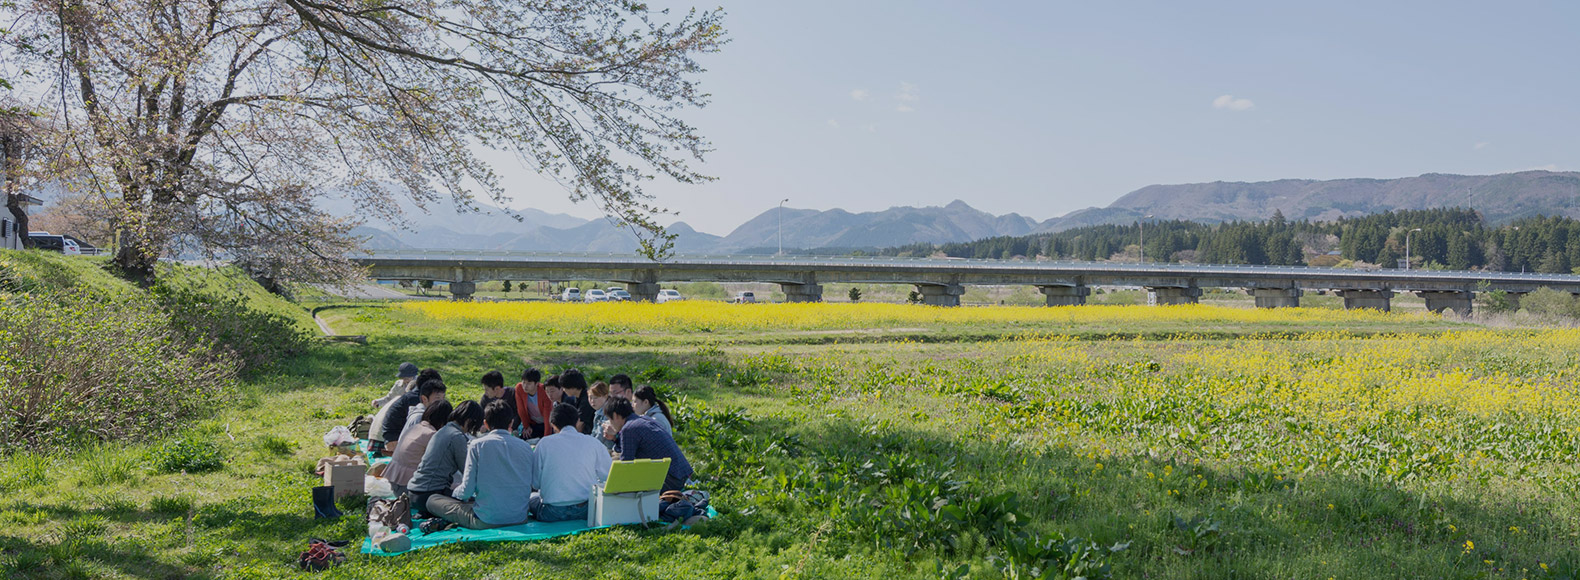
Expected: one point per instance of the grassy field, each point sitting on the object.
(889, 441)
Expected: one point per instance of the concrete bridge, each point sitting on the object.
(941, 282)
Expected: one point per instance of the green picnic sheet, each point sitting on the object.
(363, 444)
(528, 532)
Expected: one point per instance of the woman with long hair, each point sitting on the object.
(647, 404)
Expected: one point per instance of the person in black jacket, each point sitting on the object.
(575, 386)
(494, 389)
(428, 392)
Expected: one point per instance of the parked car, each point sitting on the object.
(86, 248)
(618, 294)
(571, 295)
(669, 295)
(54, 243)
(595, 295)
(746, 297)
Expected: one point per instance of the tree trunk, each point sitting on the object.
(133, 260)
(13, 202)
(10, 164)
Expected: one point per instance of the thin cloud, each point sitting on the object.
(860, 94)
(908, 98)
(1482, 145)
(870, 128)
(1229, 103)
(833, 123)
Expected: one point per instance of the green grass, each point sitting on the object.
(827, 453)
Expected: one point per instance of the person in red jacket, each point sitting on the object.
(533, 405)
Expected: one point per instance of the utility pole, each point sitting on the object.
(1407, 247)
(781, 215)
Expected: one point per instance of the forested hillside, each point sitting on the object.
(1458, 239)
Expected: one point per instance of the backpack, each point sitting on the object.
(360, 426)
(393, 513)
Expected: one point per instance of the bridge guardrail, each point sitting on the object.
(628, 260)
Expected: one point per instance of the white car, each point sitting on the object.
(618, 294)
(571, 295)
(595, 295)
(669, 295)
(746, 297)
(54, 243)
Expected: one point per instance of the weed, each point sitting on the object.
(108, 465)
(85, 528)
(276, 445)
(24, 470)
(187, 454)
(171, 505)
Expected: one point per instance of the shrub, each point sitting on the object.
(187, 454)
(227, 323)
(1551, 303)
(77, 371)
(1495, 301)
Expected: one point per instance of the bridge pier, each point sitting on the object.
(1276, 297)
(1168, 295)
(1374, 299)
(802, 292)
(941, 294)
(1459, 302)
(1065, 295)
(643, 291)
(462, 290)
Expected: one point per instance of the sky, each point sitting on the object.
(1043, 108)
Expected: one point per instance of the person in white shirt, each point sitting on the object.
(569, 462)
(497, 482)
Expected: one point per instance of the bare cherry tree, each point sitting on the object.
(218, 124)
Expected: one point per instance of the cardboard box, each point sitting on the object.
(609, 509)
(347, 478)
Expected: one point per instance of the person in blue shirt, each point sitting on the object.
(497, 483)
(643, 438)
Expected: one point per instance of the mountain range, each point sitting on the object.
(1500, 198)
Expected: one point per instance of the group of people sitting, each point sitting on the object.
(472, 463)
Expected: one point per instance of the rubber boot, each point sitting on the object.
(324, 503)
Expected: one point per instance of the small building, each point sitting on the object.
(11, 234)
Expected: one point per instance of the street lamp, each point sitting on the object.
(781, 215)
(1143, 223)
(1407, 247)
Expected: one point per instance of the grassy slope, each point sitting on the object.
(100, 513)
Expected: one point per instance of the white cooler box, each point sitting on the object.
(629, 495)
(609, 509)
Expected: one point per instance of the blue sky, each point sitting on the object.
(1042, 108)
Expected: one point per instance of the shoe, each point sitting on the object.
(324, 503)
(435, 525)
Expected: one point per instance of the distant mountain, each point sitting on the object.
(444, 228)
(803, 228)
(1500, 198)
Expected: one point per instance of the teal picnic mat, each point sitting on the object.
(528, 532)
(362, 444)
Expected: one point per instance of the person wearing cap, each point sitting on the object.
(405, 380)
